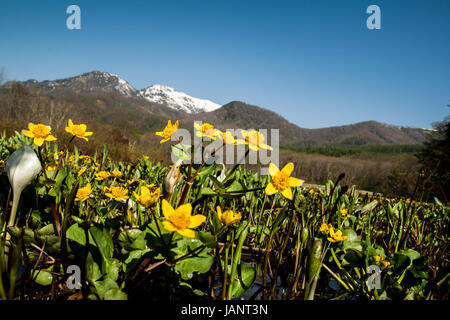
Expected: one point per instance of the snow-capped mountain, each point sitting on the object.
(177, 100)
(98, 81)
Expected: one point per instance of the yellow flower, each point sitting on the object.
(344, 212)
(84, 193)
(206, 130)
(2, 163)
(180, 219)
(254, 139)
(311, 191)
(147, 197)
(78, 130)
(325, 228)
(82, 170)
(282, 180)
(381, 259)
(228, 138)
(116, 174)
(146, 157)
(51, 168)
(116, 193)
(228, 217)
(336, 236)
(40, 132)
(102, 175)
(168, 131)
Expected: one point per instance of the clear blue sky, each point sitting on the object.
(313, 62)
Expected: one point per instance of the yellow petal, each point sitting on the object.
(185, 209)
(219, 212)
(273, 169)
(50, 138)
(167, 209)
(253, 147)
(87, 134)
(197, 220)
(287, 193)
(294, 182)
(288, 169)
(38, 141)
(270, 189)
(28, 133)
(70, 123)
(197, 126)
(169, 226)
(188, 233)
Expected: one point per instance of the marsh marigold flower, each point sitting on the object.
(206, 130)
(102, 175)
(116, 174)
(336, 236)
(78, 130)
(228, 138)
(282, 180)
(344, 212)
(40, 132)
(325, 228)
(381, 259)
(147, 197)
(254, 139)
(116, 193)
(84, 193)
(228, 217)
(180, 219)
(168, 131)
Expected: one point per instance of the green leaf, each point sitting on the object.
(247, 276)
(76, 233)
(198, 262)
(47, 230)
(115, 294)
(180, 153)
(103, 240)
(369, 207)
(207, 238)
(42, 277)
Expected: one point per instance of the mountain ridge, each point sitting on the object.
(164, 103)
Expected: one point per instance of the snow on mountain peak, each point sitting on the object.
(177, 100)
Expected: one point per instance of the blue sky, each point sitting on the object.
(313, 62)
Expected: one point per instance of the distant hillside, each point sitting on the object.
(241, 115)
(107, 99)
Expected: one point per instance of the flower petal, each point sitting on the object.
(295, 182)
(287, 193)
(38, 141)
(270, 189)
(288, 168)
(188, 233)
(169, 226)
(166, 209)
(185, 209)
(273, 169)
(197, 220)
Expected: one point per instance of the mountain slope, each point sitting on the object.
(241, 115)
(112, 100)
